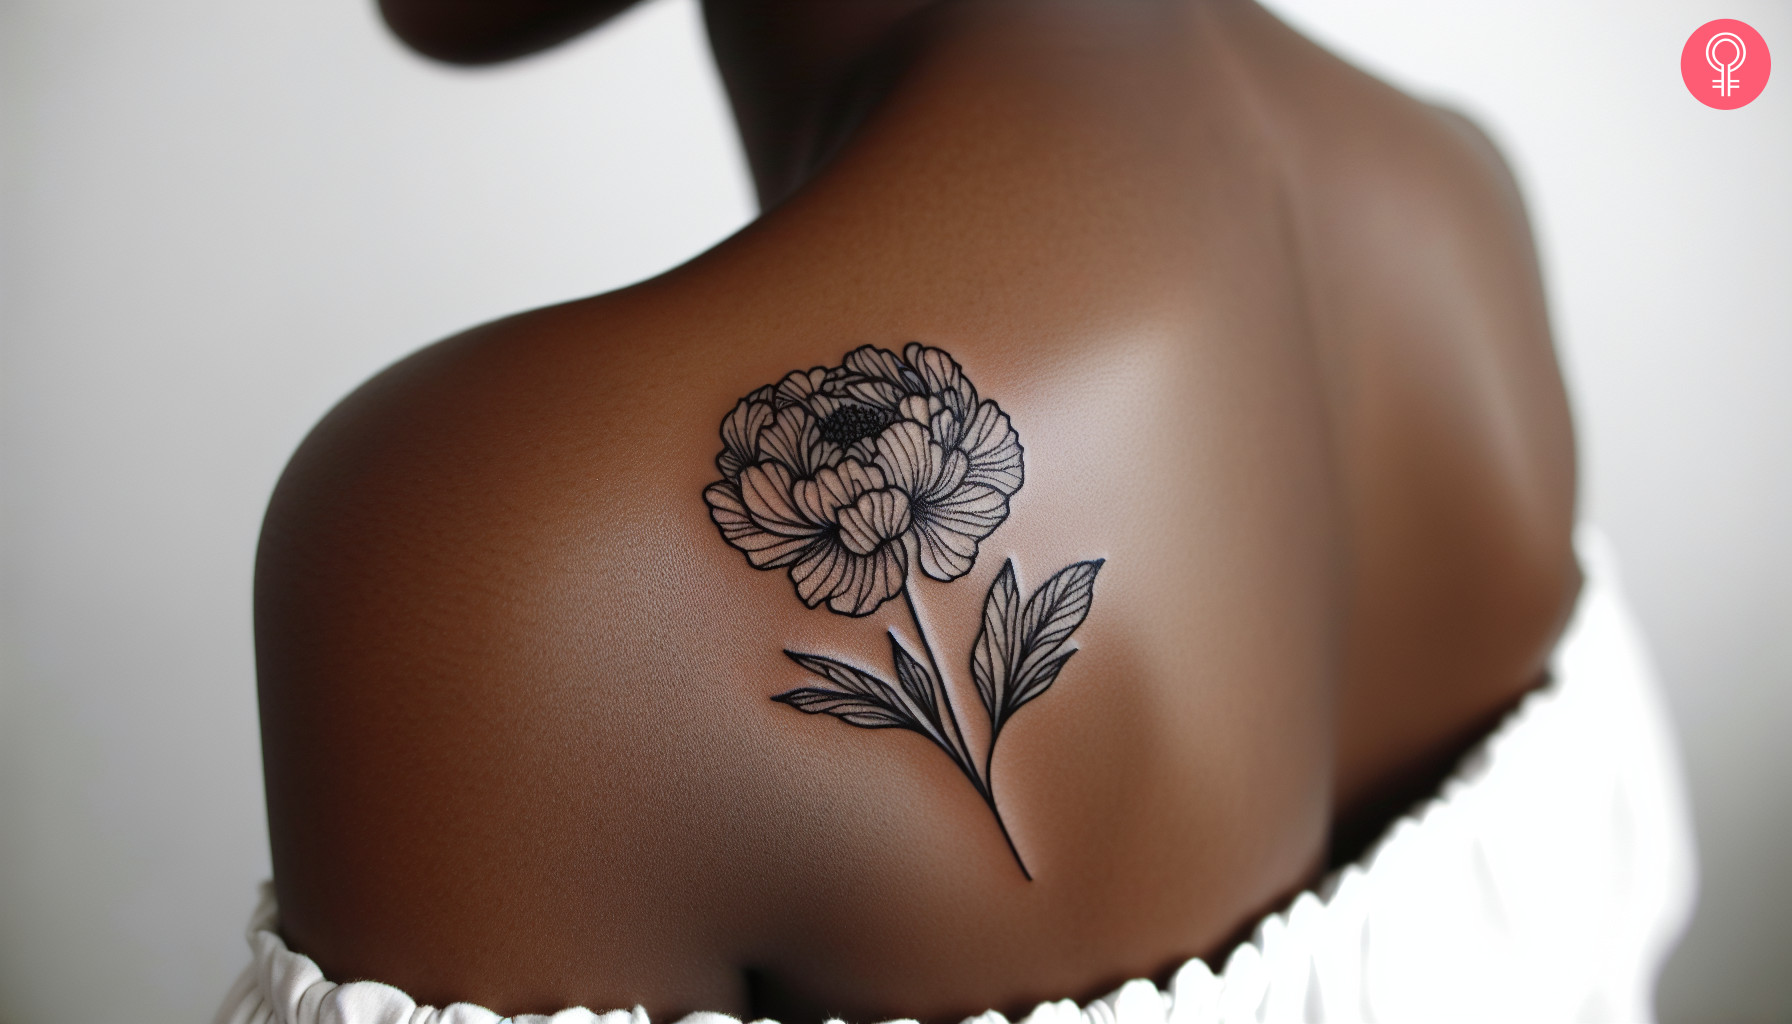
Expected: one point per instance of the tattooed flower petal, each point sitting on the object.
(766, 492)
(798, 386)
(763, 548)
(875, 518)
(942, 377)
(954, 467)
(741, 430)
(878, 366)
(916, 408)
(993, 449)
(909, 458)
(849, 583)
(948, 530)
(833, 489)
(795, 440)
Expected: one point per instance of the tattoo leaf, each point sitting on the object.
(993, 656)
(862, 699)
(1039, 680)
(1018, 655)
(1058, 608)
(914, 680)
(850, 708)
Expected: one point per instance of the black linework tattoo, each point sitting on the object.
(853, 476)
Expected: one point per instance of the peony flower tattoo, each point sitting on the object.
(855, 476)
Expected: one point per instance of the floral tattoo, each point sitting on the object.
(856, 475)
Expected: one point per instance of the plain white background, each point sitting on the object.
(216, 218)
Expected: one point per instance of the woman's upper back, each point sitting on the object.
(1270, 342)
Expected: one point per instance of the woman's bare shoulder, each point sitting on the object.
(1456, 455)
(519, 628)
(476, 616)
(517, 672)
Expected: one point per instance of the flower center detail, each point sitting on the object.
(851, 423)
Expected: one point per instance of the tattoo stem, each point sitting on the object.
(989, 797)
(962, 753)
(954, 734)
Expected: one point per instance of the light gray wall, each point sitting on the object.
(216, 218)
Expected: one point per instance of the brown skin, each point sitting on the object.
(1273, 337)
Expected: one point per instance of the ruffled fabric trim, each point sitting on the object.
(1547, 880)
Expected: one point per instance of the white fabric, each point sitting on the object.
(1546, 881)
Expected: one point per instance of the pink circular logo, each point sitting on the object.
(1725, 64)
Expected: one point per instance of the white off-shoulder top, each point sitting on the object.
(1546, 881)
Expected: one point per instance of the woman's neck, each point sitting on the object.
(802, 74)
(799, 75)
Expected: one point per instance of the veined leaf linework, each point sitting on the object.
(852, 477)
